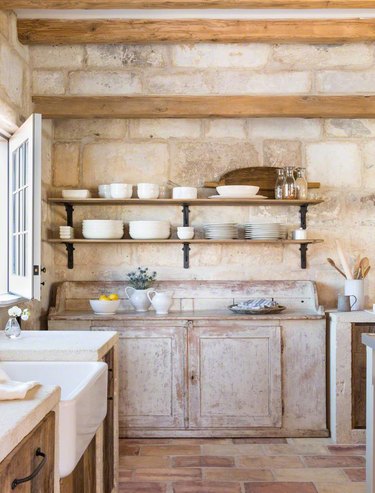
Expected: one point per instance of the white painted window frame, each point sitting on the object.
(27, 286)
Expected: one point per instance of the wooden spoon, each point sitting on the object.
(331, 262)
(366, 271)
(363, 266)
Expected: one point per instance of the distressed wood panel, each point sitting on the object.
(359, 374)
(234, 376)
(83, 478)
(187, 4)
(205, 106)
(151, 371)
(145, 31)
(21, 462)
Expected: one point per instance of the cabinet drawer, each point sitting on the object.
(34, 456)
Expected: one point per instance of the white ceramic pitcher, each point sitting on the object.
(138, 298)
(160, 300)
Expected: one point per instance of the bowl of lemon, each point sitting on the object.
(106, 305)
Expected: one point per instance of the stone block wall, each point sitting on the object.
(338, 153)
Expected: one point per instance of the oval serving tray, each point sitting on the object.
(263, 311)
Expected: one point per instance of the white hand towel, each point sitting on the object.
(11, 390)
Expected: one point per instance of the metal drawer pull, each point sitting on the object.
(38, 453)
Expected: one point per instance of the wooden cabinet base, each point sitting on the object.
(83, 478)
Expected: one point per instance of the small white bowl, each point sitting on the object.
(121, 190)
(148, 190)
(104, 191)
(237, 190)
(185, 232)
(76, 194)
(190, 193)
(102, 307)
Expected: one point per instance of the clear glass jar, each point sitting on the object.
(289, 186)
(12, 328)
(279, 183)
(301, 183)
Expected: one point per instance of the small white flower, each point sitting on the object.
(25, 314)
(15, 311)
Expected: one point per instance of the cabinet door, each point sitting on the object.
(234, 376)
(26, 459)
(151, 376)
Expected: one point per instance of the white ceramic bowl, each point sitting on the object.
(76, 194)
(105, 307)
(148, 190)
(104, 191)
(149, 230)
(237, 190)
(185, 232)
(121, 190)
(103, 222)
(185, 193)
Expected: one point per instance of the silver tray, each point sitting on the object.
(262, 311)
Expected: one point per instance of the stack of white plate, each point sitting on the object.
(270, 231)
(220, 231)
(102, 229)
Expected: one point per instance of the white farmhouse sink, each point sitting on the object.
(83, 404)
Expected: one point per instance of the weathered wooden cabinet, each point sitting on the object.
(212, 373)
(29, 468)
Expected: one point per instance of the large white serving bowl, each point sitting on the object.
(76, 194)
(237, 190)
(83, 404)
(149, 230)
(103, 307)
(102, 229)
(102, 222)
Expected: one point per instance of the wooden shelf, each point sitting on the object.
(250, 202)
(193, 241)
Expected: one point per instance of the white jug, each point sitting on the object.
(138, 298)
(160, 300)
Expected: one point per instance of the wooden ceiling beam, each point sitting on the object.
(143, 31)
(187, 4)
(205, 106)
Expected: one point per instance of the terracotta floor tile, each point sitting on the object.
(246, 449)
(173, 449)
(175, 441)
(295, 449)
(140, 461)
(259, 440)
(142, 487)
(270, 461)
(280, 488)
(236, 474)
(170, 474)
(310, 474)
(334, 461)
(202, 461)
(313, 441)
(356, 474)
(341, 487)
(207, 487)
(347, 449)
(126, 449)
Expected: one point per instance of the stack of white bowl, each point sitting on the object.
(220, 231)
(265, 231)
(149, 230)
(66, 232)
(238, 192)
(97, 229)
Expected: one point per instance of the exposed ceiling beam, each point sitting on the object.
(143, 31)
(187, 4)
(205, 106)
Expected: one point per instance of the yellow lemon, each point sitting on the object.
(113, 297)
(103, 297)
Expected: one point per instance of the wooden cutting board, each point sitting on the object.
(261, 176)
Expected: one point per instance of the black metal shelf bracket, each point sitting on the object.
(303, 250)
(185, 215)
(70, 249)
(303, 214)
(69, 214)
(186, 250)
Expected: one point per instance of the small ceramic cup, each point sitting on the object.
(121, 190)
(104, 191)
(185, 232)
(299, 234)
(148, 190)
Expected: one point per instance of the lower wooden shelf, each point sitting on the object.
(186, 245)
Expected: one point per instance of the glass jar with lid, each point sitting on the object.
(279, 183)
(301, 183)
(289, 186)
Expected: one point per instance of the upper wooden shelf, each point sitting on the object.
(268, 202)
(205, 106)
(146, 31)
(187, 4)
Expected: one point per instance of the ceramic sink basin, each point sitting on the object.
(83, 404)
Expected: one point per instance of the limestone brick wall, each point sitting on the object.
(338, 153)
(15, 107)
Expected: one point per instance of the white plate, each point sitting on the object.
(255, 197)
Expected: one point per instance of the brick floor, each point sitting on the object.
(240, 466)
